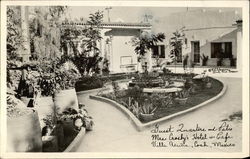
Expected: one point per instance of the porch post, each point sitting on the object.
(239, 45)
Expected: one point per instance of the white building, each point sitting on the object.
(116, 44)
(208, 33)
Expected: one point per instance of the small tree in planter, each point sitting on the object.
(204, 60)
(147, 110)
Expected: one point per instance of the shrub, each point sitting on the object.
(204, 60)
(88, 83)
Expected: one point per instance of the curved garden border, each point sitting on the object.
(140, 126)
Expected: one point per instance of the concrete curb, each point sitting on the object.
(92, 91)
(140, 126)
(76, 140)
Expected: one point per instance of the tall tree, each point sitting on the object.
(14, 34)
(146, 41)
(87, 59)
(45, 33)
(176, 43)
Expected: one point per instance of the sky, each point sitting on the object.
(136, 14)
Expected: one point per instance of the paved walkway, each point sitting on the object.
(114, 132)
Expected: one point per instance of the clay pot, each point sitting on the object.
(66, 99)
(24, 133)
(146, 117)
(181, 101)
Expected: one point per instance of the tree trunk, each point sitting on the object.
(25, 33)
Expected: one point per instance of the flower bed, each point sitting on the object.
(164, 104)
(94, 82)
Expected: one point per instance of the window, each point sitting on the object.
(126, 60)
(223, 49)
(158, 50)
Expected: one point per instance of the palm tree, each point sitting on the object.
(146, 41)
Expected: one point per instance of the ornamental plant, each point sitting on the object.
(66, 75)
(147, 107)
(183, 94)
(47, 82)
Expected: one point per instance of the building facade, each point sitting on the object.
(209, 34)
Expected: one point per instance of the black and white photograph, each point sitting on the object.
(124, 79)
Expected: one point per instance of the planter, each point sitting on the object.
(50, 144)
(208, 85)
(69, 131)
(66, 99)
(68, 127)
(44, 107)
(59, 133)
(181, 101)
(24, 133)
(146, 117)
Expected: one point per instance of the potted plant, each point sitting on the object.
(220, 58)
(147, 110)
(232, 61)
(204, 60)
(50, 137)
(49, 121)
(182, 96)
(88, 122)
(208, 83)
(44, 100)
(66, 76)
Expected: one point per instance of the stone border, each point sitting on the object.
(76, 140)
(82, 132)
(140, 126)
(92, 91)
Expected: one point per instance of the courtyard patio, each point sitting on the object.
(91, 85)
(120, 135)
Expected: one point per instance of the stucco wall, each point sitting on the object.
(121, 47)
(205, 37)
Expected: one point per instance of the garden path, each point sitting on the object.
(113, 132)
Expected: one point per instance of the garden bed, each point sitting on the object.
(201, 95)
